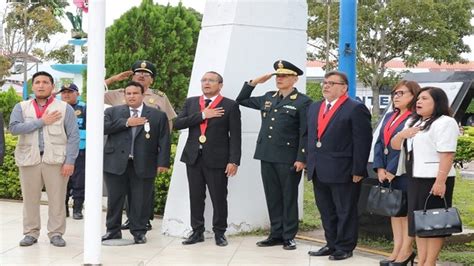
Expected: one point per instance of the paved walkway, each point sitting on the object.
(159, 250)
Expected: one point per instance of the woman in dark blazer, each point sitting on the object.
(386, 162)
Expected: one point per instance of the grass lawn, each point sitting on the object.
(463, 199)
(311, 218)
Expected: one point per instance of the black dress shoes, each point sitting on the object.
(139, 239)
(289, 244)
(126, 225)
(340, 255)
(324, 251)
(110, 235)
(269, 242)
(194, 238)
(221, 241)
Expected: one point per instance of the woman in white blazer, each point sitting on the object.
(428, 145)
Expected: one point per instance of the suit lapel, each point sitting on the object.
(145, 111)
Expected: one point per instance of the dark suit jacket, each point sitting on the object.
(282, 137)
(345, 144)
(148, 153)
(224, 135)
(389, 161)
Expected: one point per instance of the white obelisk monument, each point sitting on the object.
(240, 39)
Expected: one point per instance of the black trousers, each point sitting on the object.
(139, 189)
(76, 183)
(337, 204)
(216, 180)
(280, 182)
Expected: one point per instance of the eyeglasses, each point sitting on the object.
(399, 93)
(142, 74)
(332, 83)
(209, 80)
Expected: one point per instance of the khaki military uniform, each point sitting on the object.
(158, 100)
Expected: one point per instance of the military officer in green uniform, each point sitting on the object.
(143, 72)
(280, 148)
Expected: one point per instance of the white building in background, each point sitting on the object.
(315, 73)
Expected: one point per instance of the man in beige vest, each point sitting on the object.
(47, 147)
(143, 72)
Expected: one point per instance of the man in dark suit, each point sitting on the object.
(339, 139)
(138, 145)
(212, 153)
(280, 147)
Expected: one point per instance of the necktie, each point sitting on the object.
(134, 130)
(207, 102)
(328, 106)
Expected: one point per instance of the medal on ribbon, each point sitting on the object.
(390, 127)
(323, 119)
(146, 127)
(203, 126)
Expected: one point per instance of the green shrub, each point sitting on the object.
(314, 91)
(9, 181)
(162, 184)
(465, 149)
(8, 100)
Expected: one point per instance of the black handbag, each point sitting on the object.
(386, 201)
(437, 222)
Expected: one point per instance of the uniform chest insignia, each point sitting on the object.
(268, 104)
(77, 112)
(289, 107)
(151, 100)
(294, 96)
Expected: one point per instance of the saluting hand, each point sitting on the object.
(261, 79)
(49, 118)
(122, 76)
(215, 112)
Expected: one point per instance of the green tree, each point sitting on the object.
(36, 21)
(165, 35)
(410, 30)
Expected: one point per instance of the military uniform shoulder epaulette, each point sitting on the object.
(159, 93)
(272, 93)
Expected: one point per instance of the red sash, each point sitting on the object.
(323, 119)
(214, 103)
(389, 128)
(39, 113)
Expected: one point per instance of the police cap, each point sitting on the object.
(70, 87)
(287, 68)
(145, 66)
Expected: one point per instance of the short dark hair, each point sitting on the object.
(342, 75)
(220, 79)
(441, 106)
(42, 73)
(135, 84)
